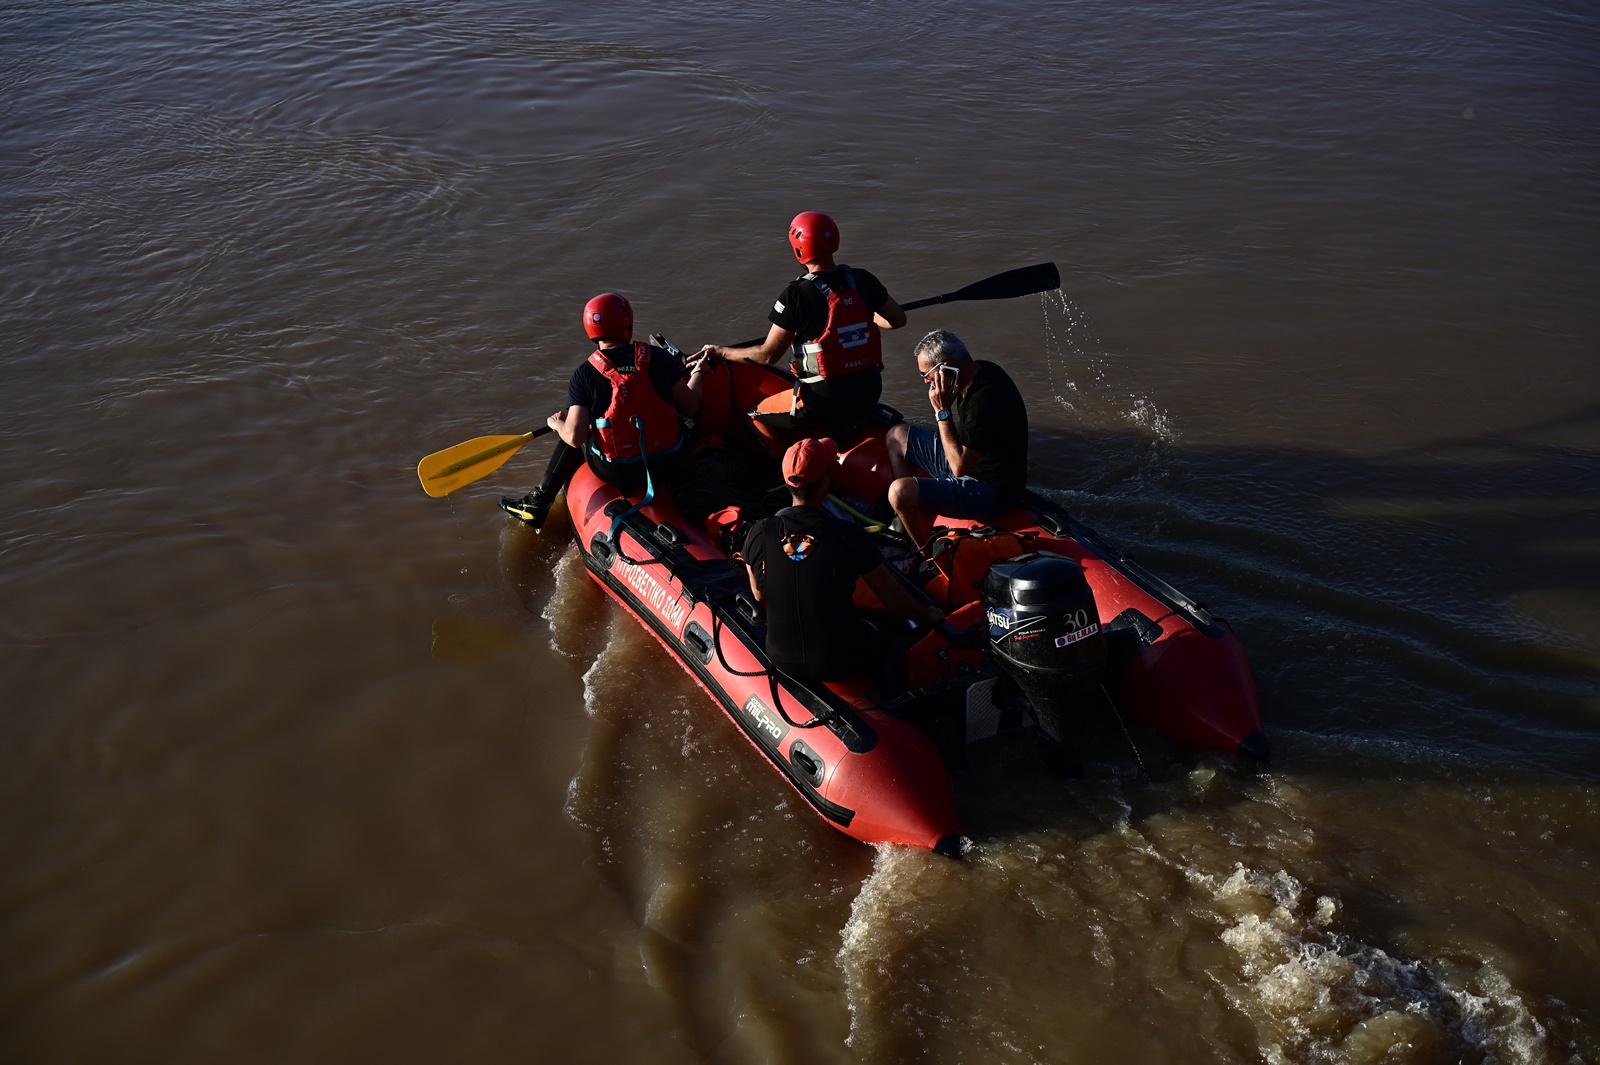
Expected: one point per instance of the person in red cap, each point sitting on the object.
(622, 413)
(832, 318)
(803, 565)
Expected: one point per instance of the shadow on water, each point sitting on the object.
(1447, 596)
(726, 873)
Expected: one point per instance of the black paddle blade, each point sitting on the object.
(1024, 281)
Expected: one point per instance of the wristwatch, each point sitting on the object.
(942, 415)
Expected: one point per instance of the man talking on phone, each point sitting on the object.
(975, 457)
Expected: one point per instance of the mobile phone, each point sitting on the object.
(949, 373)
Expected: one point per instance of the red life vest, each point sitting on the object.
(850, 343)
(616, 437)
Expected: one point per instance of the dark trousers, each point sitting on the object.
(627, 476)
(564, 462)
(835, 406)
(874, 651)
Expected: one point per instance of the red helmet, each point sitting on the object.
(813, 235)
(608, 315)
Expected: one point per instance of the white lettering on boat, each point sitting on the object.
(766, 724)
(657, 598)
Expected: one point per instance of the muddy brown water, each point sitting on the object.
(299, 764)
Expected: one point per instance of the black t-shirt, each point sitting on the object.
(992, 420)
(803, 310)
(589, 387)
(806, 563)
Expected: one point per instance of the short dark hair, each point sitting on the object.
(805, 491)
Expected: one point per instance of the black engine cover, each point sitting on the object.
(1044, 632)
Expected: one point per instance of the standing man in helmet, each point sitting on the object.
(832, 318)
(623, 407)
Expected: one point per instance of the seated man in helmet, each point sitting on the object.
(832, 317)
(622, 413)
(975, 457)
(803, 565)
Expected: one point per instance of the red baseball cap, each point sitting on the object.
(808, 460)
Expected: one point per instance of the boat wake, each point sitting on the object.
(1319, 995)
(1124, 903)
(1204, 889)
(1227, 898)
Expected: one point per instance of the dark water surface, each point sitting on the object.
(298, 764)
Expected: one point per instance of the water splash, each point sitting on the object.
(883, 918)
(1208, 895)
(580, 623)
(1083, 375)
(1319, 995)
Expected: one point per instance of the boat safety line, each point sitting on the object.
(840, 815)
(649, 484)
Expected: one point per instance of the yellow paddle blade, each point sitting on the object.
(444, 471)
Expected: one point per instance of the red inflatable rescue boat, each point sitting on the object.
(1044, 619)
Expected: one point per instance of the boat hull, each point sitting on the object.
(856, 758)
(870, 774)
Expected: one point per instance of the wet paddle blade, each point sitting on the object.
(1024, 281)
(444, 471)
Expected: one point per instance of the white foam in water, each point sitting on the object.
(1317, 995)
(577, 629)
(1070, 348)
(873, 929)
(601, 640)
(1152, 419)
(590, 688)
(1498, 1019)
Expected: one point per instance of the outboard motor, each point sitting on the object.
(1044, 633)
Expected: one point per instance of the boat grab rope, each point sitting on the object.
(649, 487)
(771, 675)
(622, 516)
(1156, 624)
